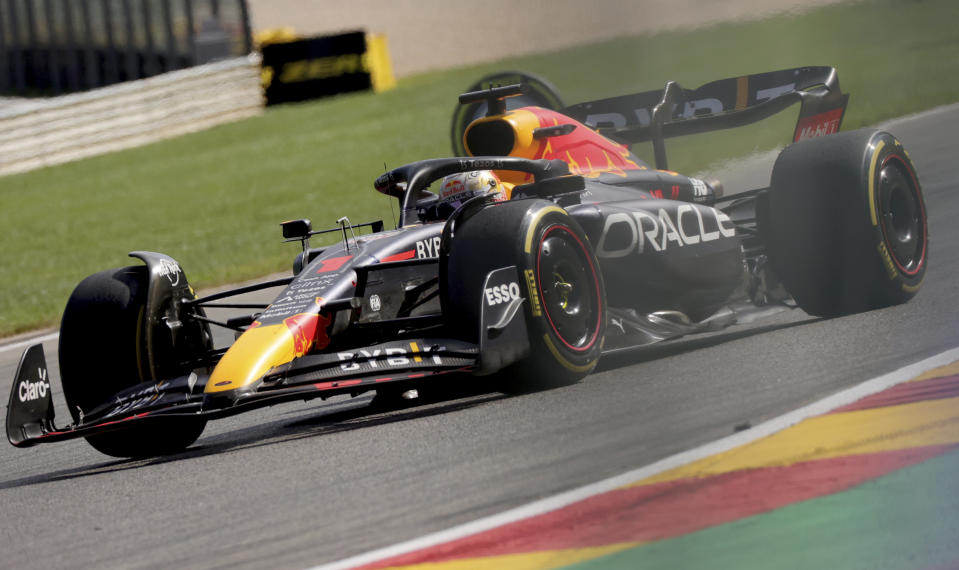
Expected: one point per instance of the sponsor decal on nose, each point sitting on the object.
(333, 263)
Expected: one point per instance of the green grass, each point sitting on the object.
(213, 200)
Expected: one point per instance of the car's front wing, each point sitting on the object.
(30, 415)
(501, 340)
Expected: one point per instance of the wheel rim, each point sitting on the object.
(569, 288)
(902, 214)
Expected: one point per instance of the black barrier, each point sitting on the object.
(48, 47)
(316, 67)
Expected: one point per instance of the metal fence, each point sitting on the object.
(49, 47)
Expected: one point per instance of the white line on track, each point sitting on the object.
(760, 431)
(29, 341)
(891, 123)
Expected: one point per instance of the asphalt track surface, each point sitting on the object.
(306, 483)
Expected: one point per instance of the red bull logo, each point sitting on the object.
(309, 332)
(452, 187)
(587, 152)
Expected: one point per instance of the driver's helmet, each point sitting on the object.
(462, 186)
(456, 189)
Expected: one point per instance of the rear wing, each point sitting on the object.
(734, 102)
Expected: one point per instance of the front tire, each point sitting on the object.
(846, 226)
(566, 308)
(101, 352)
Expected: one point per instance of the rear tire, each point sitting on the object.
(566, 308)
(101, 353)
(847, 228)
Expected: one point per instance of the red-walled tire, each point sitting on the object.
(556, 266)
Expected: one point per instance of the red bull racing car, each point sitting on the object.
(544, 243)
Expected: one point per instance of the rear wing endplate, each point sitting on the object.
(727, 103)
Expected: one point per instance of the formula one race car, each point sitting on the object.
(522, 262)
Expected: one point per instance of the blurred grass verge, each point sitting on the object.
(213, 200)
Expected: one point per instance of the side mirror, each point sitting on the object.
(301, 230)
(296, 229)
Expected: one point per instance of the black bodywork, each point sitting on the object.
(676, 258)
